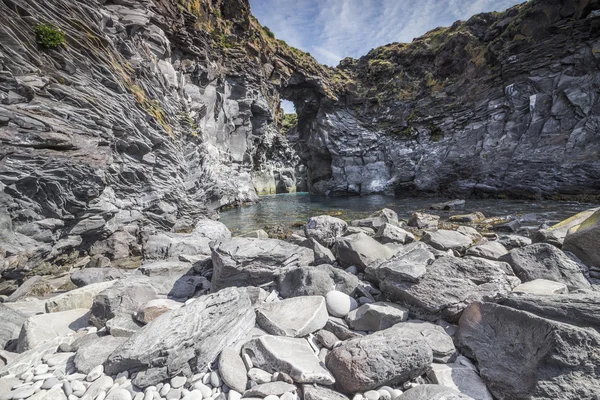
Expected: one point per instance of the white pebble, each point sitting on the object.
(178, 381)
(41, 369)
(372, 395)
(271, 397)
(215, 379)
(95, 373)
(165, 389)
(233, 395)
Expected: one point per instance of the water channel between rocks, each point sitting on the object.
(290, 209)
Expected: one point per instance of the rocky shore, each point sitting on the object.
(372, 309)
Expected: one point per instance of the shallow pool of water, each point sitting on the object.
(288, 209)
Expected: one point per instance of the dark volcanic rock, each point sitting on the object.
(523, 356)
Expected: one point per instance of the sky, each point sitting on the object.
(333, 29)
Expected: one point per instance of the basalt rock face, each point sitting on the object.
(501, 105)
(152, 114)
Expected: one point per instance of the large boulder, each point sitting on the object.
(45, 327)
(579, 309)
(556, 234)
(12, 321)
(523, 356)
(584, 240)
(544, 261)
(292, 356)
(325, 229)
(382, 358)
(212, 230)
(441, 344)
(443, 239)
(360, 250)
(315, 281)
(252, 262)
(186, 340)
(408, 264)
(95, 352)
(294, 317)
(449, 285)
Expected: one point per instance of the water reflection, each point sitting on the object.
(288, 209)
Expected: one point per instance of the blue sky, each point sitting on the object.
(333, 29)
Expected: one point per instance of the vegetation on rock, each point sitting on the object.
(49, 36)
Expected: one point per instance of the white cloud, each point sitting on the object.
(334, 29)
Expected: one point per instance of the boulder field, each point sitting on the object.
(401, 312)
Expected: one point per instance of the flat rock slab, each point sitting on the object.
(461, 378)
(10, 327)
(155, 308)
(166, 268)
(77, 298)
(544, 261)
(382, 358)
(187, 339)
(315, 281)
(45, 327)
(433, 392)
(408, 264)
(253, 262)
(541, 286)
(360, 250)
(449, 285)
(388, 233)
(88, 276)
(292, 356)
(376, 316)
(294, 317)
(519, 353)
(315, 392)
(96, 352)
(443, 239)
(489, 250)
(270, 389)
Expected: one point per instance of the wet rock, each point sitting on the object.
(360, 250)
(584, 242)
(186, 340)
(449, 285)
(544, 261)
(489, 250)
(388, 233)
(447, 240)
(88, 276)
(408, 264)
(376, 316)
(424, 221)
(382, 358)
(43, 328)
(77, 298)
(293, 317)
(541, 286)
(243, 262)
(433, 392)
(292, 356)
(96, 352)
(491, 333)
(325, 229)
(315, 281)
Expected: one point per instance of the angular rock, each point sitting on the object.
(269, 389)
(186, 340)
(376, 316)
(316, 392)
(292, 356)
(88, 276)
(96, 352)
(489, 250)
(441, 344)
(213, 230)
(556, 234)
(514, 241)
(521, 355)
(155, 308)
(424, 221)
(408, 264)
(322, 254)
(232, 369)
(169, 246)
(34, 286)
(377, 219)
(433, 392)
(43, 328)
(388, 233)
(449, 285)
(382, 358)
(541, 286)
(579, 309)
(253, 262)
(360, 250)
(325, 229)
(12, 321)
(123, 325)
(447, 240)
(315, 281)
(584, 240)
(77, 298)
(293, 317)
(544, 261)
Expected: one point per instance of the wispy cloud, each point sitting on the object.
(333, 29)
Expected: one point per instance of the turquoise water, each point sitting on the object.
(289, 209)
